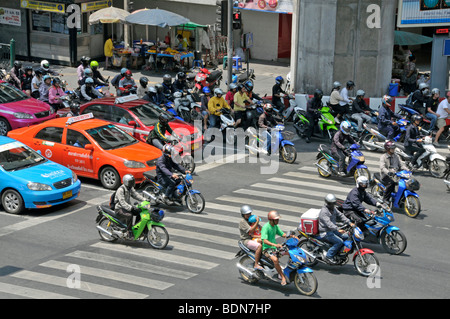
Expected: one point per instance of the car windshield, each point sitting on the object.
(9, 93)
(110, 137)
(15, 156)
(149, 114)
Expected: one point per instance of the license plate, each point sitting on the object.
(67, 194)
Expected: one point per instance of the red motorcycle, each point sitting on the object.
(206, 78)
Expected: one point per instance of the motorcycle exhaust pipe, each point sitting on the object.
(104, 231)
(372, 145)
(246, 271)
(323, 168)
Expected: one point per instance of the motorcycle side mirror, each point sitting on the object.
(132, 123)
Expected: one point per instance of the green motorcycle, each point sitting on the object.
(326, 126)
(148, 226)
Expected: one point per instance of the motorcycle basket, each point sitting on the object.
(288, 135)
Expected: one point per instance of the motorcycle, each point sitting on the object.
(328, 166)
(326, 126)
(148, 226)
(182, 149)
(194, 200)
(447, 173)
(205, 78)
(407, 112)
(256, 144)
(364, 259)
(430, 159)
(295, 270)
(379, 229)
(405, 198)
(253, 112)
(373, 140)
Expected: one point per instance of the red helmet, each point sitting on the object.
(128, 72)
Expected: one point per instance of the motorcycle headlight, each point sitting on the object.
(39, 187)
(134, 164)
(412, 184)
(358, 233)
(23, 115)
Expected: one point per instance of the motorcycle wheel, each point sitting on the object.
(158, 237)
(394, 243)
(377, 192)
(369, 138)
(323, 162)
(195, 203)
(289, 154)
(413, 208)
(362, 172)
(438, 168)
(247, 263)
(306, 245)
(306, 283)
(105, 223)
(366, 265)
(188, 163)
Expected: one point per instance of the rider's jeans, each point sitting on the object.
(337, 240)
(433, 118)
(360, 118)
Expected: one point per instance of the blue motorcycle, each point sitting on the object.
(408, 111)
(405, 198)
(328, 166)
(373, 140)
(390, 237)
(295, 270)
(282, 144)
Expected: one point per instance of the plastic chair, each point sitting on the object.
(237, 63)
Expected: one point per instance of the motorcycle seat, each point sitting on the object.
(214, 76)
(325, 148)
(150, 175)
(377, 176)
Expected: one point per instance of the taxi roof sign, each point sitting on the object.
(79, 118)
(127, 98)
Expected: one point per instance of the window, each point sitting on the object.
(121, 116)
(54, 22)
(111, 137)
(77, 139)
(51, 134)
(100, 111)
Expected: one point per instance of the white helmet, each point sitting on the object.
(45, 65)
(345, 127)
(362, 181)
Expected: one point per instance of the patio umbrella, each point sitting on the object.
(156, 17)
(109, 15)
(409, 38)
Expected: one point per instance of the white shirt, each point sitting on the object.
(441, 109)
(345, 99)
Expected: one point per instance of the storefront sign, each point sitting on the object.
(10, 16)
(96, 5)
(423, 13)
(278, 6)
(42, 6)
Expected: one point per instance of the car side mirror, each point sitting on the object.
(89, 147)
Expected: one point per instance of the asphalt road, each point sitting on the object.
(40, 249)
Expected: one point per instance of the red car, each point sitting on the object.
(19, 110)
(138, 117)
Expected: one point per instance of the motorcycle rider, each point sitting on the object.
(269, 244)
(168, 88)
(240, 100)
(142, 89)
(16, 74)
(215, 104)
(390, 163)
(312, 112)
(55, 93)
(115, 81)
(45, 66)
(229, 97)
(337, 145)
(122, 200)
(26, 79)
(88, 92)
(165, 167)
(386, 126)
(353, 207)
(277, 92)
(36, 83)
(432, 105)
(180, 83)
(420, 97)
(157, 136)
(98, 77)
(328, 229)
(346, 101)
(413, 139)
(335, 98)
(82, 67)
(267, 121)
(245, 234)
(127, 85)
(74, 109)
(44, 88)
(360, 111)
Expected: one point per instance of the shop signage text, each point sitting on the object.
(10, 17)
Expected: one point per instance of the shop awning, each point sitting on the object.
(409, 38)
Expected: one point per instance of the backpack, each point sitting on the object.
(409, 101)
(112, 205)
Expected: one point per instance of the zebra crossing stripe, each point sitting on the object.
(299, 191)
(31, 292)
(326, 187)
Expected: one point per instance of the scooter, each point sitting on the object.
(328, 166)
(430, 159)
(148, 227)
(405, 198)
(364, 260)
(183, 150)
(295, 270)
(326, 126)
(407, 112)
(195, 201)
(373, 140)
(280, 143)
(205, 78)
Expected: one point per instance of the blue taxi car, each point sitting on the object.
(29, 180)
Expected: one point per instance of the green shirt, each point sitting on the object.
(268, 232)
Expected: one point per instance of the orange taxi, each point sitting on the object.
(91, 148)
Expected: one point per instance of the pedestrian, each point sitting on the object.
(108, 50)
(409, 79)
(443, 112)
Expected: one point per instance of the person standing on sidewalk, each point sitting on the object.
(108, 50)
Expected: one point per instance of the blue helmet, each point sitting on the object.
(345, 127)
(252, 219)
(279, 80)
(206, 90)
(123, 70)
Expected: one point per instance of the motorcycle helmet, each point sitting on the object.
(167, 79)
(143, 81)
(46, 77)
(273, 215)
(268, 108)
(318, 94)
(252, 219)
(181, 76)
(246, 209)
(75, 107)
(362, 182)
(159, 88)
(233, 86)
(128, 73)
(386, 100)
(157, 215)
(337, 85)
(416, 117)
(84, 59)
(435, 91)
(345, 127)
(350, 84)
(360, 93)
(38, 71)
(248, 85)
(152, 89)
(330, 200)
(88, 72)
(94, 65)
(163, 117)
(129, 181)
(89, 81)
(206, 90)
(389, 145)
(423, 86)
(45, 65)
(123, 70)
(218, 92)
(28, 68)
(168, 149)
(17, 64)
(279, 80)
(56, 81)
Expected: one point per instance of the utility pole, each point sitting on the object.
(230, 42)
